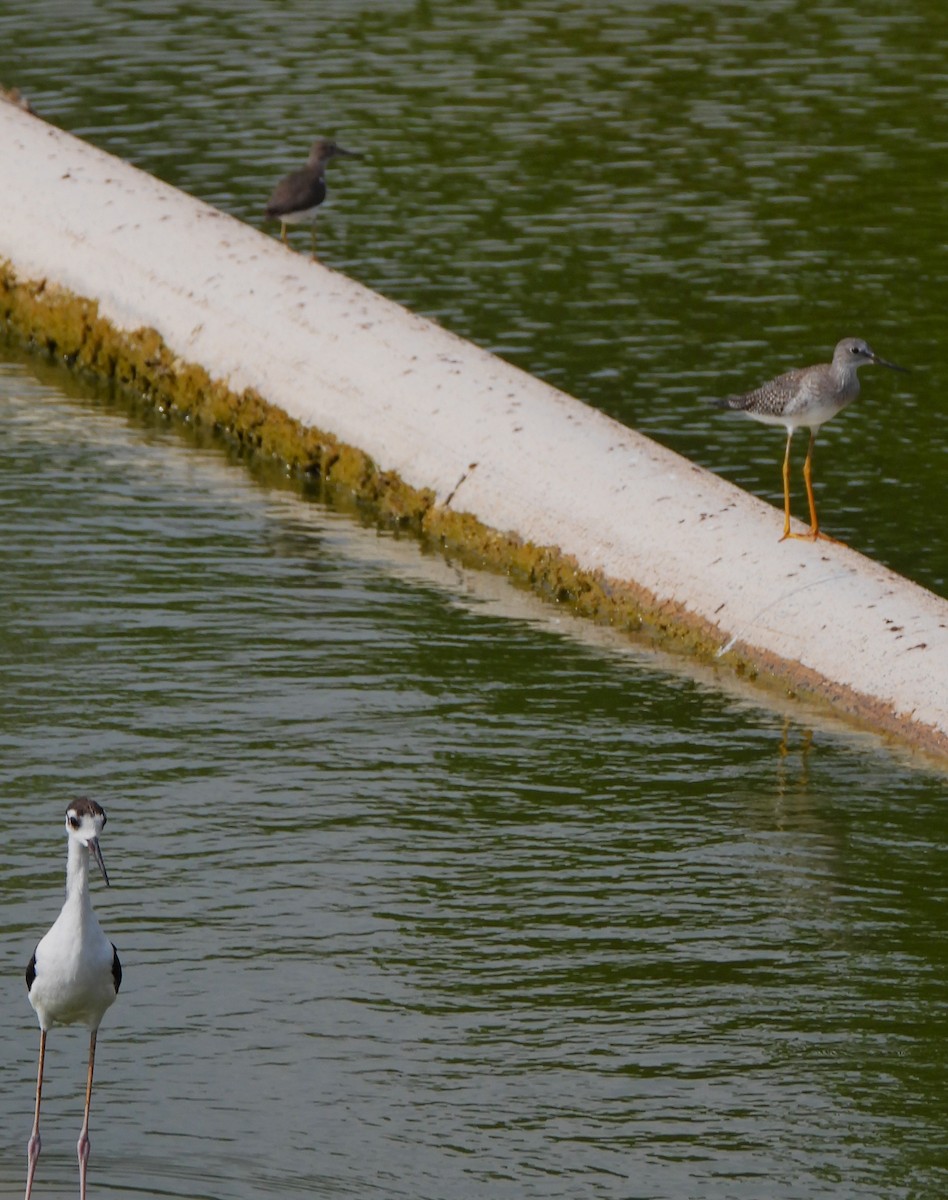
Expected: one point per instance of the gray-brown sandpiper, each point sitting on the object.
(808, 396)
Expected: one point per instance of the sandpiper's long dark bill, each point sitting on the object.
(297, 197)
(808, 396)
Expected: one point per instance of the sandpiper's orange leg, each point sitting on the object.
(814, 523)
(807, 479)
(786, 489)
(283, 233)
(35, 1144)
(813, 533)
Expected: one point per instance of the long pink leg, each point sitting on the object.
(35, 1144)
(83, 1145)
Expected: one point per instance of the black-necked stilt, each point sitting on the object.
(296, 198)
(808, 396)
(75, 973)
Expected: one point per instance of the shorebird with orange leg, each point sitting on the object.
(809, 397)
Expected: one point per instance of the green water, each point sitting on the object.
(422, 888)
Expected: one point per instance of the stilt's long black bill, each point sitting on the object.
(97, 855)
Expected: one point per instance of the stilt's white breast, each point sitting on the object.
(74, 982)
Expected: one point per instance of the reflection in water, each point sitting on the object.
(806, 743)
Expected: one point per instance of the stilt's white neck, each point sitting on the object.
(77, 872)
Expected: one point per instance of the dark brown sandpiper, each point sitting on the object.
(297, 197)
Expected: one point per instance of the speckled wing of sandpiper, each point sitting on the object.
(778, 398)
